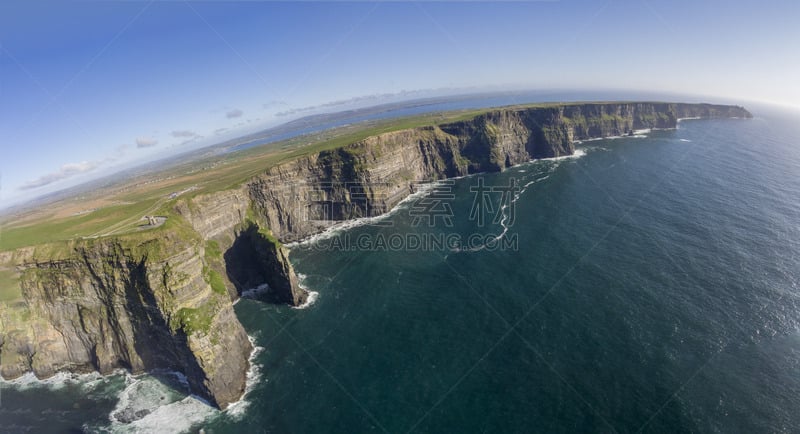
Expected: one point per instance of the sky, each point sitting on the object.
(89, 87)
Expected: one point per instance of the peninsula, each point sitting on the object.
(95, 289)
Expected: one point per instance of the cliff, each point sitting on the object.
(162, 298)
(302, 197)
(141, 302)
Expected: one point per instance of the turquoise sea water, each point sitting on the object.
(653, 287)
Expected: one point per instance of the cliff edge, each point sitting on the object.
(163, 298)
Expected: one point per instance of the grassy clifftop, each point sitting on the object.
(118, 209)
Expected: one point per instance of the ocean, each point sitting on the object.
(646, 284)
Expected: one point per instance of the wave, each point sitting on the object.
(179, 416)
(678, 123)
(506, 217)
(145, 403)
(636, 134)
(59, 380)
(254, 292)
(312, 298)
(236, 410)
(257, 292)
(578, 153)
(627, 136)
(148, 403)
(312, 295)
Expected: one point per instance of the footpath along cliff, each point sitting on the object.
(163, 298)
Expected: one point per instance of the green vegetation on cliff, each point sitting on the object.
(9, 286)
(213, 251)
(215, 280)
(198, 320)
(213, 258)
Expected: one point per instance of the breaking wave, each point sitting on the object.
(237, 409)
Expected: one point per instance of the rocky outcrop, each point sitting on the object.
(139, 303)
(162, 298)
(216, 215)
(251, 256)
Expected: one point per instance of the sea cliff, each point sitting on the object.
(304, 196)
(163, 298)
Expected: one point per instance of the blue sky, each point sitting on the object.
(89, 87)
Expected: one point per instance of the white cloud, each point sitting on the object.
(274, 103)
(184, 133)
(66, 171)
(235, 113)
(145, 142)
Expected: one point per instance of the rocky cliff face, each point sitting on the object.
(251, 256)
(161, 299)
(139, 303)
(368, 178)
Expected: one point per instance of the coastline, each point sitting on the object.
(395, 164)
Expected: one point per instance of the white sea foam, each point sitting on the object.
(628, 136)
(506, 217)
(577, 154)
(57, 381)
(685, 140)
(147, 404)
(312, 298)
(685, 119)
(637, 134)
(178, 416)
(255, 292)
(312, 295)
(237, 409)
(160, 405)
